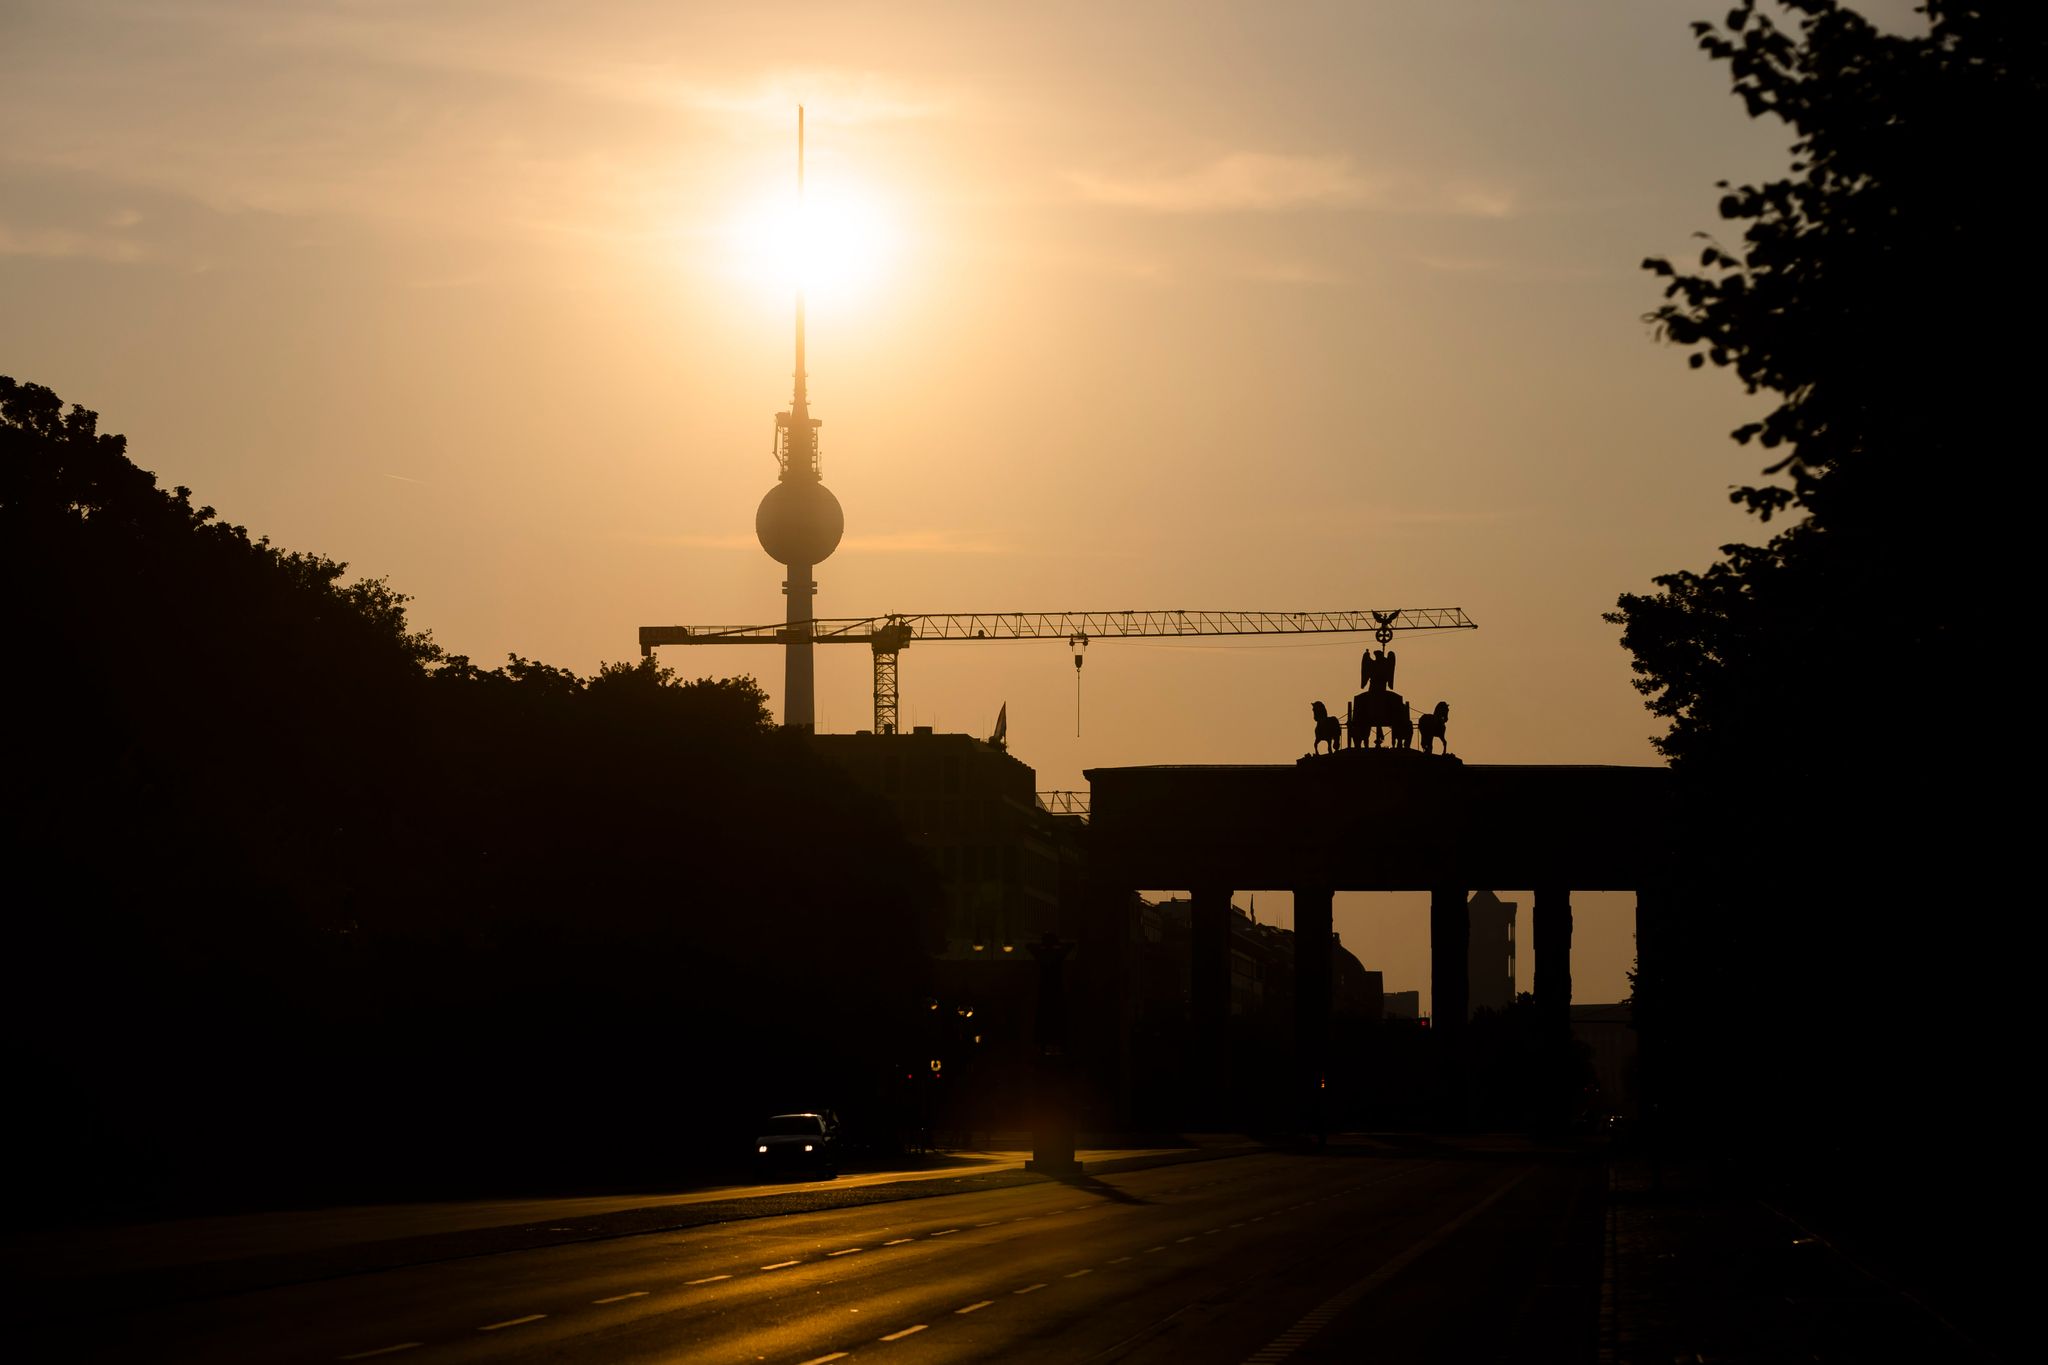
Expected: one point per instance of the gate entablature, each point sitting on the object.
(1392, 821)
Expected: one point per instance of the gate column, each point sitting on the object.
(1209, 989)
(1553, 915)
(1312, 986)
(1450, 951)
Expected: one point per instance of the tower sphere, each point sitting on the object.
(799, 522)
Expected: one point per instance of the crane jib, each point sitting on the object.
(889, 635)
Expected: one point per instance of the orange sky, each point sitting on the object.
(1276, 306)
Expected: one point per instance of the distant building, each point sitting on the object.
(1368, 988)
(973, 810)
(1490, 974)
(1404, 1004)
(1261, 965)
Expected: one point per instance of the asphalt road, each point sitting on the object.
(1451, 1256)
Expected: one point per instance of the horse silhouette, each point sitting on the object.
(1329, 730)
(1432, 726)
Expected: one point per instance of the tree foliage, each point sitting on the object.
(1872, 296)
(1833, 693)
(283, 866)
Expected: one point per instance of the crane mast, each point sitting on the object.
(888, 636)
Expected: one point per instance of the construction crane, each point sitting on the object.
(889, 636)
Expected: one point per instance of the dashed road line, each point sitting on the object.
(383, 1351)
(1029, 1289)
(512, 1322)
(899, 1241)
(991, 1223)
(848, 1252)
(1150, 1250)
(1189, 1238)
(621, 1298)
(783, 1265)
(1120, 1260)
(1077, 1274)
(974, 1307)
(945, 1233)
(1212, 1232)
(708, 1279)
(824, 1360)
(906, 1332)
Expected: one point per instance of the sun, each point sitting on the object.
(836, 245)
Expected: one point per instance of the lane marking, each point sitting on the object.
(1314, 1321)
(383, 1351)
(708, 1279)
(783, 1265)
(821, 1360)
(974, 1307)
(1212, 1232)
(621, 1298)
(1237, 1225)
(512, 1322)
(906, 1332)
(1189, 1238)
(1150, 1250)
(1028, 1289)
(1120, 1260)
(1075, 1275)
(945, 1233)
(991, 1223)
(899, 1241)
(848, 1252)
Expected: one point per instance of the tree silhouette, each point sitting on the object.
(1869, 295)
(1844, 831)
(284, 866)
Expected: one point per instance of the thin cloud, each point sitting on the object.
(1471, 200)
(1239, 182)
(1434, 516)
(1291, 272)
(1459, 265)
(852, 97)
(64, 244)
(885, 542)
(696, 541)
(925, 542)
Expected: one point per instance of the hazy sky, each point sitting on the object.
(1275, 306)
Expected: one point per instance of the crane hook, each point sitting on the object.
(1080, 644)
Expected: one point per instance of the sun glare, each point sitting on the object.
(836, 247)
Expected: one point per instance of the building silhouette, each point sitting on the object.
(1490, 976)
(1403, 1005)
(973, 811)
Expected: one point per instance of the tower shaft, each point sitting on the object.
(799, 683)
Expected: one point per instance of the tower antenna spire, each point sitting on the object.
(801, 402)
(799, 523)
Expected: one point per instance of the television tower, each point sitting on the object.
(799, 523)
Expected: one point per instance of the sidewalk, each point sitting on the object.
(1702, 1270)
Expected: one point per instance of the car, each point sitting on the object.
(806, 1142)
